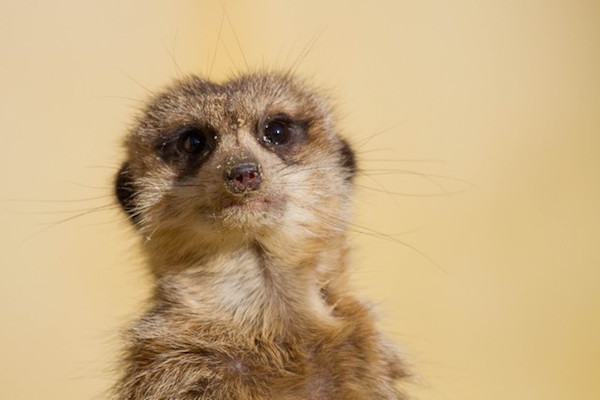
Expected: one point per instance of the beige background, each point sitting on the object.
(497, 101)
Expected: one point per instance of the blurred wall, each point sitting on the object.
(478, 131)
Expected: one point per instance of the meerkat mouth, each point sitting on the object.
(248, 204)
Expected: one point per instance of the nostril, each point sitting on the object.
(243, 178)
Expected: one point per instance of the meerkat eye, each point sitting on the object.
(187, 142)
(192, 141)
(277, 131)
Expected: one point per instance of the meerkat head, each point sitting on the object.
(254, 159)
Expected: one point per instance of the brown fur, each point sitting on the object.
(252, 299)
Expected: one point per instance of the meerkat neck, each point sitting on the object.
(256, 290)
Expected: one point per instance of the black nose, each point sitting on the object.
(245, 177)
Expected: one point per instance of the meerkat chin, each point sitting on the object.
(242, 192)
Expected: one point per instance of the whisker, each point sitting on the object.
(17, 200)
(373, 233)
(137, 82)
(380, 172)
(132, 99)
(236, 70)
(64, 220)
(399, 160)
(83, 185)
(237, 39)
(110, 167)
(172, 56)
(304, 53)
(55, 212)
(212, 63)
(374, 135)
(408, 194)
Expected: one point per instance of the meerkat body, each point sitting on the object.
(242, 193)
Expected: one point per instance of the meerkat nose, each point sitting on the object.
(244, 177)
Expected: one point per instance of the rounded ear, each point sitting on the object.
(348, 159)
(125, 192)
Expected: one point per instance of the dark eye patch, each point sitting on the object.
(277, 131)
(186, 141)
(187, 147)
(192, 141)
(281, 134)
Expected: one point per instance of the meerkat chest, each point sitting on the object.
(288, 374)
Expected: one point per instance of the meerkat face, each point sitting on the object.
(248, 158)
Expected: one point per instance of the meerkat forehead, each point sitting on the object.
(236, 103)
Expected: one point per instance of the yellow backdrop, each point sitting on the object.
(478, 209)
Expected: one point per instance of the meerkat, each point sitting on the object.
(241, 192)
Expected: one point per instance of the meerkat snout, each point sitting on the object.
(243, 177)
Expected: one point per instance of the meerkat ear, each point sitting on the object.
(125, 191)
(348, 159)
